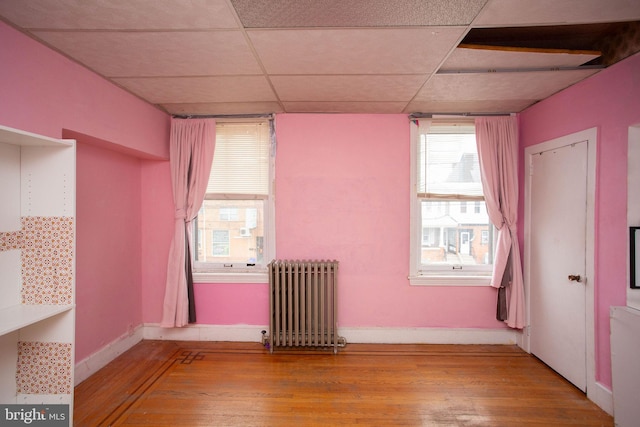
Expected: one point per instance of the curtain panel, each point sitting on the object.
(497, 139)
(192, 144)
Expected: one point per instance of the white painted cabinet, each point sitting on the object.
(625, 350)
(37, 269)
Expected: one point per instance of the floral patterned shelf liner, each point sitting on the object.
(47, 258)
(44, 368)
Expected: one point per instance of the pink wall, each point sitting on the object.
(609, 101)
(44, 92)
(108, 250)
(343, 192)
(157, 226)
(342, 185)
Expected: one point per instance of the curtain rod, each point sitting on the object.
(222, 116)
(414, 116)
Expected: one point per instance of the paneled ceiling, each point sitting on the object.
(219, 57)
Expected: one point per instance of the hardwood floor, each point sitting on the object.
(166, 383)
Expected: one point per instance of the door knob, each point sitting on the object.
(575, 278)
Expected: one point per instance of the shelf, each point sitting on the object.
(19, 137)
(19, 316)
(37, 184)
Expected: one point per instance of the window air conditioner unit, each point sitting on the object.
(245, 232)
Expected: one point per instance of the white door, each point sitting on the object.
(557, 270)
(465, 247)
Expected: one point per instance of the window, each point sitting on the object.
(452, 239)
(237, 213)
(220, 239)
(228, 213)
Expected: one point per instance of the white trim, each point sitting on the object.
(427, 280)
(90, 365)
(414, 226)
(253, 333)
(233, 277)
(239, 333)
(591, 136)
(603, 397)
(428, 335)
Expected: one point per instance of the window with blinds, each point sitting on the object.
(448, 165)
(232, 227)
(241, 160)
(455, 235)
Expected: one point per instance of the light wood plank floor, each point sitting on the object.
(166, 383)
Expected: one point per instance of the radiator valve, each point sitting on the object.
(264, 340)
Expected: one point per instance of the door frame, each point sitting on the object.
(590, 136)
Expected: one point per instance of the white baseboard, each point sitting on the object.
(252, 333)
(99, 359)
(428, 336)
(603, 397)
(242, 333)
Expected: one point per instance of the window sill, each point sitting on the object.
(232, 277)
(442, 280)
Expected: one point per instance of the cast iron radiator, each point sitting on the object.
(303, 304)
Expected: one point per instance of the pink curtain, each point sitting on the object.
(191, 153)
(497, 139)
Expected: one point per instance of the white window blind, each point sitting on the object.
(448, 166)
(241, 159)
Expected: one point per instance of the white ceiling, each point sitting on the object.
(215, 57)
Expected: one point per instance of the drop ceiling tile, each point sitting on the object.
(149, 48)
(505, 58)
(494, 86)
(355, 13)
(120, 54)
(553, 12)
(345, 107)
(216, 108)
(188, 90)
(119, 14)
(354, 51)
(469, 106)
(346, 88)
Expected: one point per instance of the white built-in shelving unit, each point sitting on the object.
(37, 269)
(625, 320)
